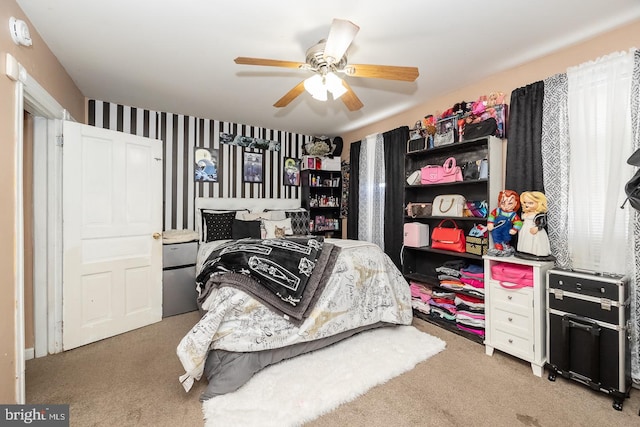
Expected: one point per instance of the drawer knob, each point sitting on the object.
(602, 291)
(509, 297)
(156, 235)
(510, 340)
(510, 319)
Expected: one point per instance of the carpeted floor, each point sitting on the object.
(132, 380)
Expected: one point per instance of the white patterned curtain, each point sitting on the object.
(371, 190)
(590, 127)
(555, 165)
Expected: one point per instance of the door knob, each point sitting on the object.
(156, 235)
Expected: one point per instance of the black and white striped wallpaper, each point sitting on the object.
(180, 134)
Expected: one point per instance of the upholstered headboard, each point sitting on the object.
(235, 204)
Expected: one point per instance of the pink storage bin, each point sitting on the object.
(516, 275)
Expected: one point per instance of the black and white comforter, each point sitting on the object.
(284, 274)
(365, 288)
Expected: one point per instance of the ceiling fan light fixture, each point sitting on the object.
(316, 87)
(334, 85)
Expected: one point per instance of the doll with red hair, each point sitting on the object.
(503, 222)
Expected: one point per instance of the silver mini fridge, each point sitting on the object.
(179, 278)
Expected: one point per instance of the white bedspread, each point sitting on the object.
(365, 288)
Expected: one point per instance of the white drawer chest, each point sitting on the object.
(515, 317)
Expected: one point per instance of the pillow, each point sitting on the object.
(272, 215)
(241, 229)
(239, 213)
(217, 225)
(299, 221)
(270, 227)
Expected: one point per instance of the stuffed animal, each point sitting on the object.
(460, 108)
(429, 123)
(495, 98)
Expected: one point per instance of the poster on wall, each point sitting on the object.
(252, 166)
(249, 142)
(207, 166)
(291, 175)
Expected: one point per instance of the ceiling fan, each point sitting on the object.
(328, 58)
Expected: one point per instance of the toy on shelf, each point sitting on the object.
(533, 241)
(504, 222)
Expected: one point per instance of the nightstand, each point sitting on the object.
(179, 278)
(515, 317)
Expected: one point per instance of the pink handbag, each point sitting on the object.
(519, 276)
(436, 174)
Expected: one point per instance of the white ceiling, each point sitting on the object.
(177, 55)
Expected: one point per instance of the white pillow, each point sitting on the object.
(270, 227)
(271, 215)
(278, 215)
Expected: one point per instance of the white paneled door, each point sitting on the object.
(112, 224)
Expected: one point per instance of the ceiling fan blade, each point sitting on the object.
(290, 96)
(389, 72)
(341, 35)
(350, 99)
(243, 60)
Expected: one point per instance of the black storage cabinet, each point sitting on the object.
(587, 331)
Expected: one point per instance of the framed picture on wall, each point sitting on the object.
(252, 166)
(207, 166)
(291, 172)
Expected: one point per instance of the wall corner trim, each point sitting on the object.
(14, 70)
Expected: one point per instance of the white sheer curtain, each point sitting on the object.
(371, 190)
(600, 142)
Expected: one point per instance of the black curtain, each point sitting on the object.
(524, 157)
(395, 147)
(353, 198)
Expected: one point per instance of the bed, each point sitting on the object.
(351, 286)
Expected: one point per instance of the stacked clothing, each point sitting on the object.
(470, 314)
(443, 305)
(459, 297)
(420, 296)
(472, 278)
(449, 274)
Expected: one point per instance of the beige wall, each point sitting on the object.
(45, 68)
(622, 38)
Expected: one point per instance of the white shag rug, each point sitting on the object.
(301, 389)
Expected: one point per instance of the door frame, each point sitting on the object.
(32, 97)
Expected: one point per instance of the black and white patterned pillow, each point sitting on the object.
(217, 226)
(299, 221)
